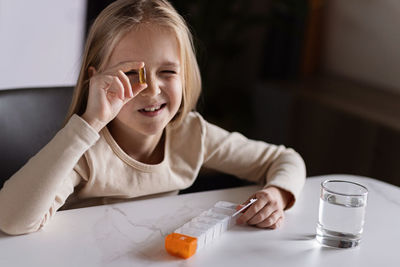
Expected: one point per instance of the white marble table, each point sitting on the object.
(132, 234)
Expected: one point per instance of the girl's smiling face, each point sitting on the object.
(150, 111)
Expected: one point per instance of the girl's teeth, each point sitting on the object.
(152, 109)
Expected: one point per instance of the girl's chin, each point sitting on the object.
(152, 128)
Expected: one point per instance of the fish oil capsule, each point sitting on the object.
(142, 75)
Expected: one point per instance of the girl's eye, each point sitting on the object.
(169, 71)
(130, 73)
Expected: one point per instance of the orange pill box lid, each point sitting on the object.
(180, 245)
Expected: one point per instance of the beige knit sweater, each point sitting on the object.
(81, 165)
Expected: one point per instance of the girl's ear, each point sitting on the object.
(91, 71)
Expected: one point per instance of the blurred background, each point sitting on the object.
(319, 76)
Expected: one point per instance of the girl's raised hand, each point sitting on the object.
(268, 210)
(108, 92)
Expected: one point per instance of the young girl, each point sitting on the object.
(125, 139)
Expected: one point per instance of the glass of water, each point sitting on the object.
(341, 218)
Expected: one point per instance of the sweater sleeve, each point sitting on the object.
(256, 161)
(34, 193)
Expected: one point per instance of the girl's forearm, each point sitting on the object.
(27, 197)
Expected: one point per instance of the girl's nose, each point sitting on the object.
(152, 88)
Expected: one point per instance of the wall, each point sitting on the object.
(362, 41)
(41, 42)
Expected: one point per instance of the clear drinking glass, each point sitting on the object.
(341, 218)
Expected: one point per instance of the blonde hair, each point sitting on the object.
(114, 22)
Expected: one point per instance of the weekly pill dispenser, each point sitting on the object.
(203, 229)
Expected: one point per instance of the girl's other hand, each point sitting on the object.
(109, 91)
(268, 210)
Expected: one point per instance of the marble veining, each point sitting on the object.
(132, 234)
(140, 238)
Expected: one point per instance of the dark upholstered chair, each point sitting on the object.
(29, 118)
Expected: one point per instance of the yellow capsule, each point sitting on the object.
(142, 75)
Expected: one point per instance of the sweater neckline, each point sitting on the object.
(131, 161)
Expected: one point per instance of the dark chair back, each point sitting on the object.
(29, 118)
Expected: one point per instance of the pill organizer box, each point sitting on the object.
(201, 230)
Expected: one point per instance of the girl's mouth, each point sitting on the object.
(152, 111)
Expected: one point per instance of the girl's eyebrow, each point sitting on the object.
(170, 64)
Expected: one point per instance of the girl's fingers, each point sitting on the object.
(251, 211)
(116, 88)
(278, 223)
(238, 207)
(273, 221)
(134, 65)
(126, 84)
(130, 90)
(264, 214)
(248, 200)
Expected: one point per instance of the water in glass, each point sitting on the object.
(341, 219)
